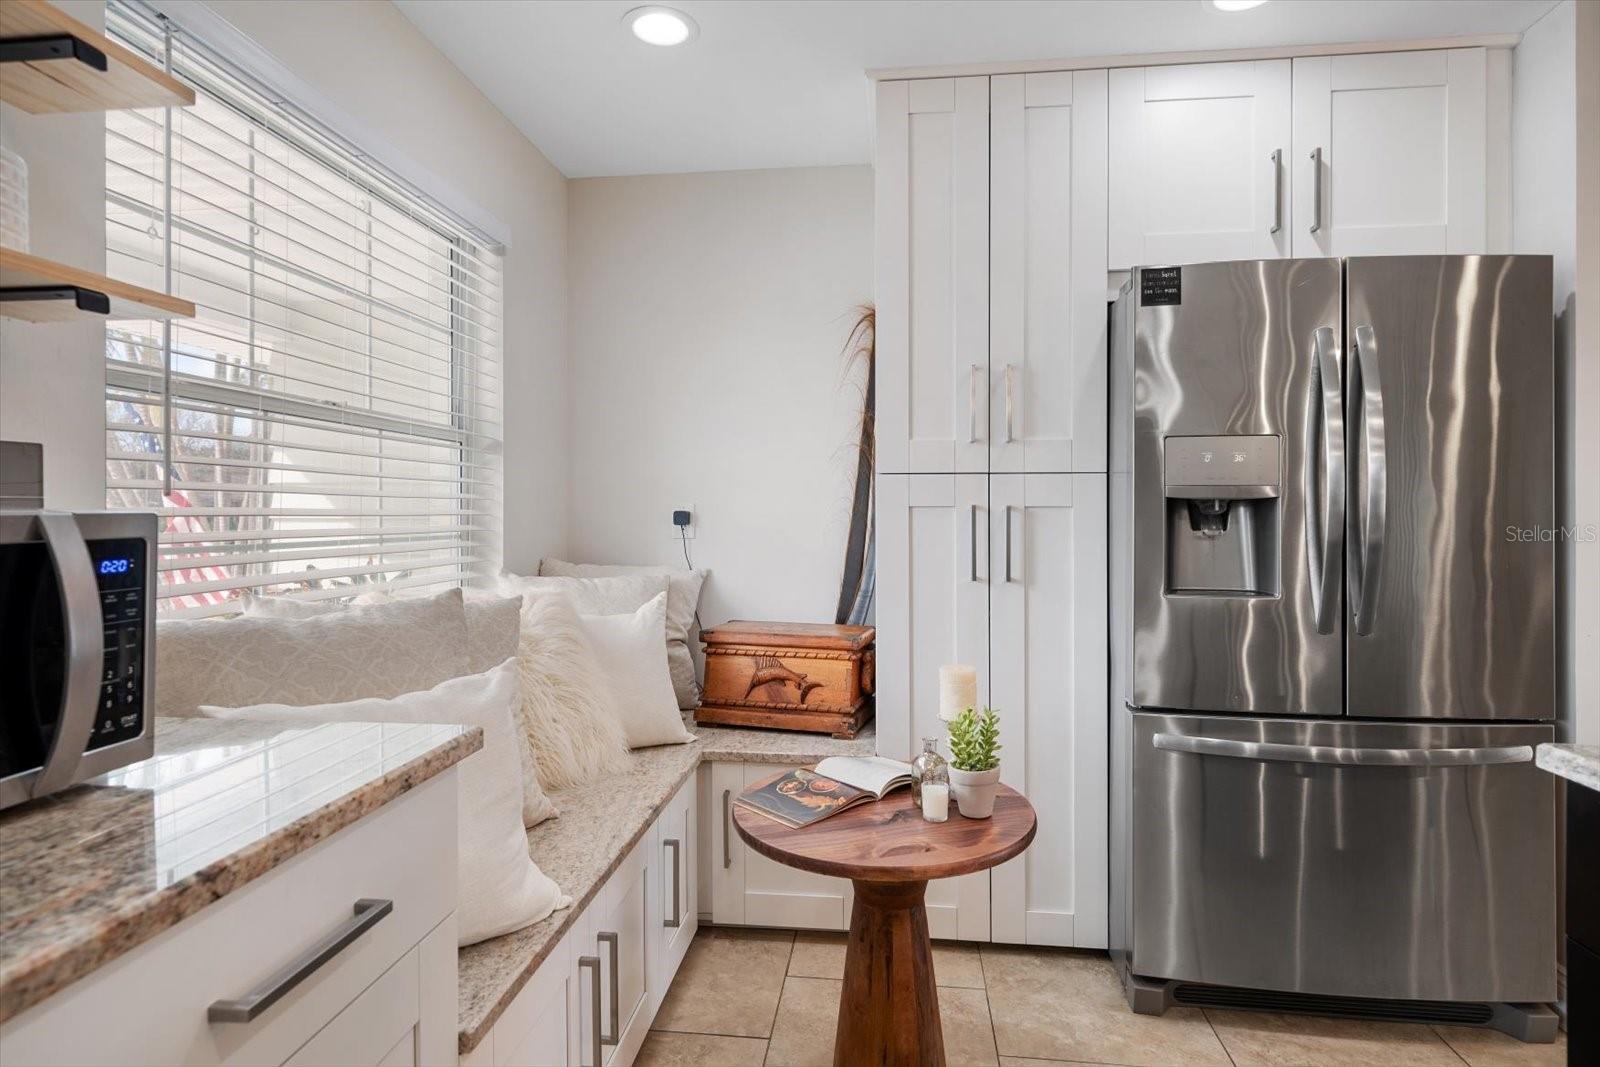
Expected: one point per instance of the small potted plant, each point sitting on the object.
(975, 762)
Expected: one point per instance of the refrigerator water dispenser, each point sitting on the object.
(1222, 515)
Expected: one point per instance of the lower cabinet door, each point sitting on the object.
(620, 919)
(1048, 649)
(380, 1027)
(673, 880)
(778, 895)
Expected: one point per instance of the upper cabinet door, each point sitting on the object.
(932, 218)
(1391, 154)
(1199, 158)
(1047, 267)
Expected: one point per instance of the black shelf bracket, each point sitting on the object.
(51, 46)
(90, 300)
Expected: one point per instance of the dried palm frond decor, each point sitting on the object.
(860, 576)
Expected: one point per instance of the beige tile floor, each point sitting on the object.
(748, 998)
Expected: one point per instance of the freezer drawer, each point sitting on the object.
(1388, 860)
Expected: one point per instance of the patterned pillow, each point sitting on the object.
(378, 651)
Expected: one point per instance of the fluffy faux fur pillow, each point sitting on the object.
(567, 704)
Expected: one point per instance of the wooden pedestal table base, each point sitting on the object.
(889, 1006)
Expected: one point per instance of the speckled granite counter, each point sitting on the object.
(1575, 763)
(599, 824)
(91, 873)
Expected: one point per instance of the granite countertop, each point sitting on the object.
(599, 824)
(1575, 763)
(95, 871)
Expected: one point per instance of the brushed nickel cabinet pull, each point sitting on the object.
(972, 403)
(1008, 542)
(972, 537)
(1011, 370)
(727, 846)
(1316, 189)
(1277, 190)
(677, 899)
(368, 913)
(593, 964)
(608, 938)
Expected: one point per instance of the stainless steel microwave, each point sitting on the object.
(77, 647)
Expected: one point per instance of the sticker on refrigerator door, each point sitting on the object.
(1160, 285)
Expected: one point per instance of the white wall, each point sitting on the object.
(372, 64)
(707, 317)
(1545, 205)
(52, 375)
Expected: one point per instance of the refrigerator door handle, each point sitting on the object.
(1268, 751)
(1324, 469)
(1366, 384)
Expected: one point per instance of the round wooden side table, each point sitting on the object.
(889, 1006)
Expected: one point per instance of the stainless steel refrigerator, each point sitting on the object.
(1333, 600)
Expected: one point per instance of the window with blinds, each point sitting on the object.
(328, 423)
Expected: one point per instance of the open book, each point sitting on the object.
(802, 797)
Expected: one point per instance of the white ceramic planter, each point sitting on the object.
(974, 791)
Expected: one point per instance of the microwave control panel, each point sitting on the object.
(119, 567)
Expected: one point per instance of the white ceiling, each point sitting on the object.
(779, 83)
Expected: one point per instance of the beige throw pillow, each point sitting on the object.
(493, 633)
(628, 647)
(499, 888)
(621, 594)
(492, 626)
(378, 651)
(683, 598)
(567, 704)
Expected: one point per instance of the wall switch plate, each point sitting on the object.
(688, 531)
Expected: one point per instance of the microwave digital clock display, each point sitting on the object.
(118, 563)
(116, 566)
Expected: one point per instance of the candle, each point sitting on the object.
(958, 690)
(936, 802)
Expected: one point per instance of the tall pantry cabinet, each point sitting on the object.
(991, 209)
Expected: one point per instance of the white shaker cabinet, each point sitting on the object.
(1047, 266)
(1047, 649)
(934, 567)
(932, 221)
(1400, 153)
(747, 888)
(1199, 158)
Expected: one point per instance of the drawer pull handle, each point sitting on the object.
(727, 843)
(609, 939)
(677, 897)
(368, 913)
(593, 963)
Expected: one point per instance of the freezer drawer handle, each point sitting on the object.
(1344, 757)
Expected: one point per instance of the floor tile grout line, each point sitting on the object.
(1450, 1045)
(1226, 1051)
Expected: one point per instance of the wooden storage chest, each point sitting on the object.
(815, 677)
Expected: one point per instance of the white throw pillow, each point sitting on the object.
(378, 651)
(493, 633)
(641, 688)
(499, 887)
(683, 598)
(622, 594)
(567, 706)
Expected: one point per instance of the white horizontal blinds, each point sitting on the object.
(334, 406)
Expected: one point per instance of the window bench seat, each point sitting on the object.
(601, 826)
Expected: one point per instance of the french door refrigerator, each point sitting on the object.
(1333, 598)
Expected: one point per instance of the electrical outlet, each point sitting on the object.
(688, 531)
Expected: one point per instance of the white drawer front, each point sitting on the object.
(150, 1006)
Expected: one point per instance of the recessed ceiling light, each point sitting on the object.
(660, 25)
(1235, 5)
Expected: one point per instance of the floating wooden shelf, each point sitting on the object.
(84, 71)
(53, 283)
